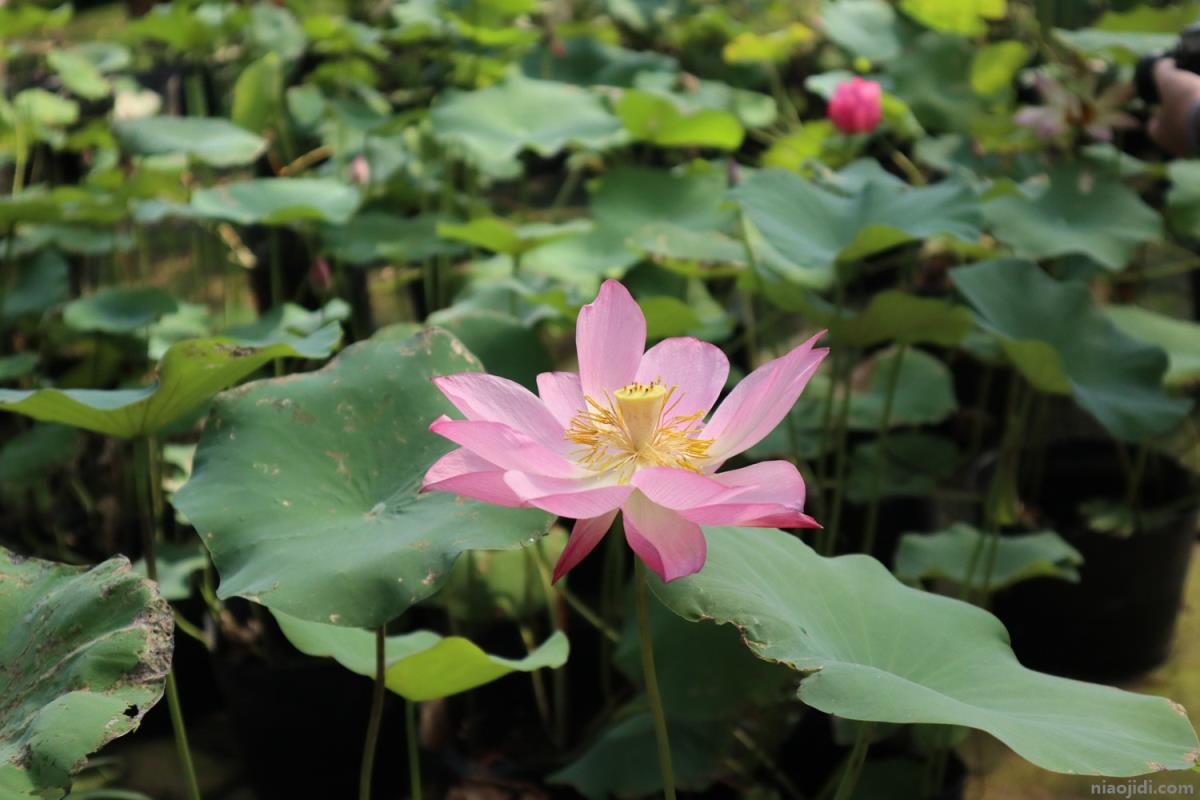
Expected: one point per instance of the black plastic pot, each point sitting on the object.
(1119, 620)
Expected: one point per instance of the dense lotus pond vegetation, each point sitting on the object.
(602, 398)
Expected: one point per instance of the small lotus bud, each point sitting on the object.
(360, 171)
(855, 106)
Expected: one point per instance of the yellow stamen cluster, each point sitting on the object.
(637, 427)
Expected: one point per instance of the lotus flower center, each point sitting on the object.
(635, 427)
(640, 406)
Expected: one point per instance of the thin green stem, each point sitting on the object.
(1135, 482)
(839, 469)
(414, 749)
(368, 759)
(885, 422)
(181, 740)
(147, 476)
(591, 617)
(652, 694)
(854, 763)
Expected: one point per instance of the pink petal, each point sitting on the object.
(566, 497)
(462, 472)
(679, 489)
(586, 534)
(761, 401)
(490, 398)
(610, 336)
(506, 448)
(669, 544)
(766, 495)
(697, 369)
(562, 393)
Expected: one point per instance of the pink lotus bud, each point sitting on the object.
(855, 106)
(320, 277)
(360, 170)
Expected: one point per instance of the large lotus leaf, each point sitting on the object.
(1087, 212)
(690, 95)
(306, 489)
(966, 17)
(893, 316)
(1179, 338)
(28, 456)
(84, 654)
(506, 346)
(933, 78)
(189, 373)
(867, 28)
(40, 285)
(709, 683)
(874, 649)
(420, 665)
(501, 236)
(1056, 336)
(587, 61)
(493, 125)
(78, 74)
(923, 395)
(374, 236)
(960, 552)
(623, 761)
(278, 201)
(628, 201)
(212, 140)
(119, 309)
(1128, 35)
(498, 584)
(1183, 199)
(652, 118)
(909, 464)
(804, 231)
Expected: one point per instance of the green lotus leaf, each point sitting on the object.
(871, 648)
(211, 140)
(306, 489)
(965, 17)
(119, 309)
(959, 553)
(421, 665)
(1179, 338)
(278, 201)
(627, 201)
(657, 120)
(190, 373)
(800, 231)
(84, 654)
(1082, 211)
(1061, 341)
(493, 126)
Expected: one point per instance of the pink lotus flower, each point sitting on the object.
(360, 171)
(856, 106)
(627, 433)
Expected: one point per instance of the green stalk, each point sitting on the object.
(652, 694)
(885, 422)
(1135, 482)
(181, 740)
(414, 750)
(368, 760)
(854, 763)
(149, 498)
(839, 469)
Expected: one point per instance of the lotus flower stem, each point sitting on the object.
(854, 763)
(839, 468)
(885, 421)
(414, 749)
(368, 760)
(149, 481)
(181, 740)
(652, 694)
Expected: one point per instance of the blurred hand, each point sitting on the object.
(1180, 91)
